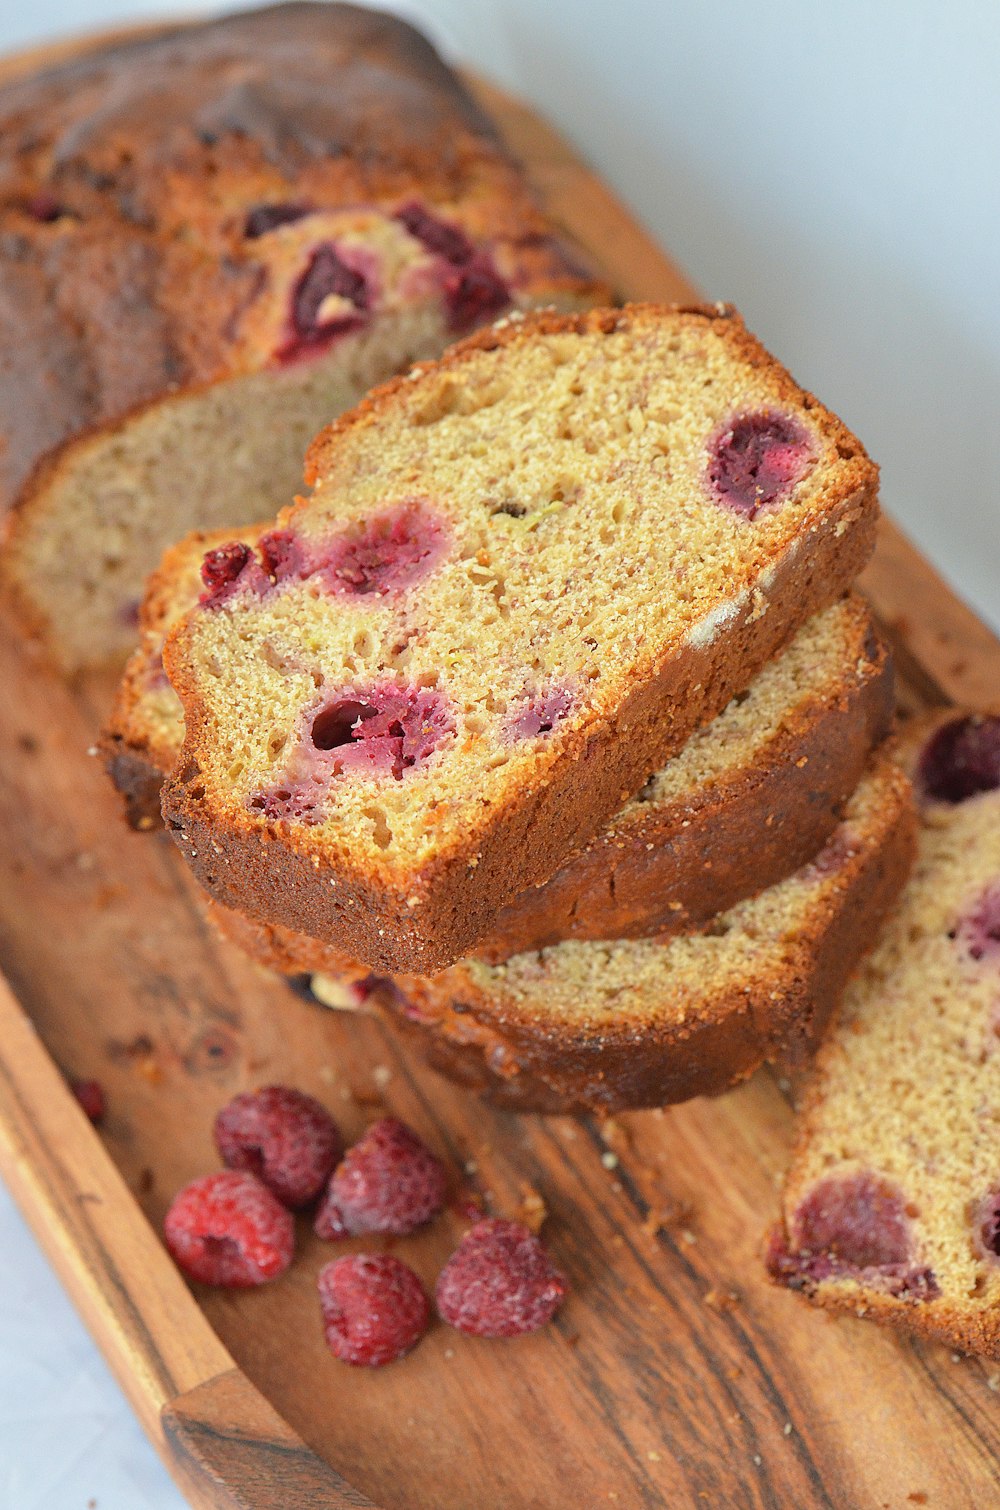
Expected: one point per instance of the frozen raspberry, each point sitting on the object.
(961, 759)
(388, 1182)
(388, 552)
(374, 1308)
(474, 293)
(228, 1229)
(222, 567)
(438, 236)
(268, 217)
(90, 1094)
(756, 459)
(288, 1140)
(386, 727)
(499, 1282)
(979, 930)
(539, 712)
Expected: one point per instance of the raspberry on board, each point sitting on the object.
(388, 1182)
(499, 1282)
(374, 1308)
(228, 1229)
(287, 1139)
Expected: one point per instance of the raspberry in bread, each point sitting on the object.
(525, 574)
(891, 1208)
(607, 1026)
(750, 797)
(213, 240)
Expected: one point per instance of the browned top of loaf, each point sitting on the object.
(126, 176)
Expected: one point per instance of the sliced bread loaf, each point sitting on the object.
(891, 1208)
(215, 238)
(607, 1026)
(751, 796)
(524, 576)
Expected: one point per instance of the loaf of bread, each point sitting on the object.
(525, 575)
(214, 239)
(891, 1208)
(620, 1024)
(750, 797)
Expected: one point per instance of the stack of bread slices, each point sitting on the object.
(547, 723)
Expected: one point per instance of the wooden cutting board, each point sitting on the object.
(675, 1376)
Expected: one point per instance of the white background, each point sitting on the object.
(834, 170)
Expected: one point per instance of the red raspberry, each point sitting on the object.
(499, 1282)
(288, 1140)
(374, 1308)
(389, 1182)
(222, 566)
(90, 1094)
(228, 1229)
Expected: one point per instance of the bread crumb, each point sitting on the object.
(381, 1074)
(609, 1159)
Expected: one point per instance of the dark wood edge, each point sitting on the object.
(226, 1436)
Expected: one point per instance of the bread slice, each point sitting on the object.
(891, 1208)
(608, 1026)
(525, 575)
(752, 795)
(214, 239)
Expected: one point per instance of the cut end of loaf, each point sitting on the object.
(890, 1207)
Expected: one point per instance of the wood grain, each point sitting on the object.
(675, 1376)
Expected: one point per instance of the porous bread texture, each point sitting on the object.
(904, 1101)
(145, 729)
(212, 240)
(579, 570)
(613, 1025)
(751, 796)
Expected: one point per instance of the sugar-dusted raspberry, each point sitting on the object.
(978, 931)
(474, 293)
(757, 459)
(222, 567)
(386, 727)
(268, 217)
(499, 1282)
(538, 712)
(374, 1308)
(90, 1094)
(228, 1229)
(388, 1182)
(387, 552)
(287, 1139)
(961, 759)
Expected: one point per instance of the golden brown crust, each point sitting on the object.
(661, 869)
(533, 1061)
(126, 177)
